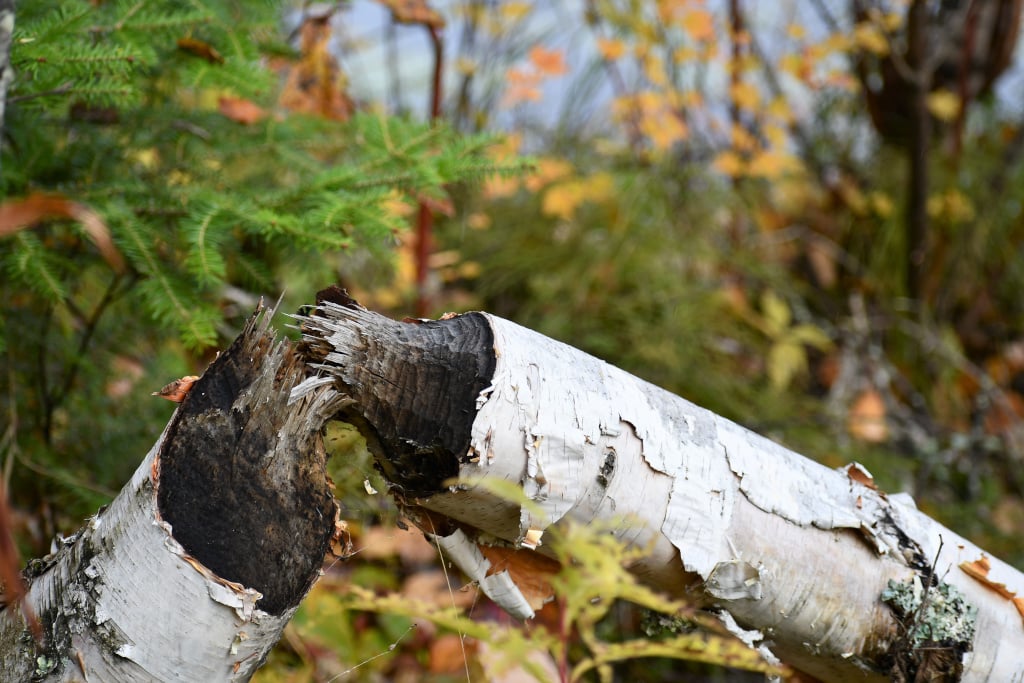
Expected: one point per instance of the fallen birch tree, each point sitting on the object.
(815, 566)
(196, 566)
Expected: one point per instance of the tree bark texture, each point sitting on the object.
(812, 564)
(194, 569)
(6, 72)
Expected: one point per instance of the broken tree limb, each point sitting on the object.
(194, 569)
(817, 565)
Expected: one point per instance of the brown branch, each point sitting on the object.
(424, 218)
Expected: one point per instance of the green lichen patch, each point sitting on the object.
(937, 627)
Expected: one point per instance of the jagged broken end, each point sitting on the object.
(411, 386)
(242, 477)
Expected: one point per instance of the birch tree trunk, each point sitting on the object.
(814, 565)
(194, 569)
(196, 566)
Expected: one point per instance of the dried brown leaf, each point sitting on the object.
(200, 48)
(241, 110)
(18, 214)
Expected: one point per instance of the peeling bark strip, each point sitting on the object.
(241, 479)
(799, 554)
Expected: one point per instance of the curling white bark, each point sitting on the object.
(798, 552)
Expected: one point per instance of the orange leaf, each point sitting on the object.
(178, 389)
(548, 62)
(745, 95)
(530, 571)
(414, 12)
(240, 110)
(16, 214)
(447, 654)
(611, 48)
(699, 24)
(866, 420)
(200, 48)
(522, 87)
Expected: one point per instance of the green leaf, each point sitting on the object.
(811, 335)
(776, 313)
(786, 361)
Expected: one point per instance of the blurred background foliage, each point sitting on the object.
(805, 216)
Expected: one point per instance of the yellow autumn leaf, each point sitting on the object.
(959, 206)
(682, 55)
(654, 69)
(787, 360)
(514, 11)
(781, 109)
(745, 95)
(944, 105)
(852, 196)
(741, 138)
(891, 21)
(867, 36)
(689, 99)
(148, 158)
(881, 204)
(728, 163)
(793, 64)
(650, 101)
(796, 31)
(775, 135)
(562, 200)
(611, 48)
(837, 42)
(767, 164)
(547, 171)
(776, 313)
(952, 205)
(598, 187)
(663, 129)
(811, 336)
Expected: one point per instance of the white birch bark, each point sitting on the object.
(122, 600)
(795, 555)
(132, 607)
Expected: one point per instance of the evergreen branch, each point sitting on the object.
(62, 89)
(88, 330)
(204, 259)
(31, 264)
(166, 302)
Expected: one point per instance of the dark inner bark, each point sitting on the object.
(242, 479)
(415, 386)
